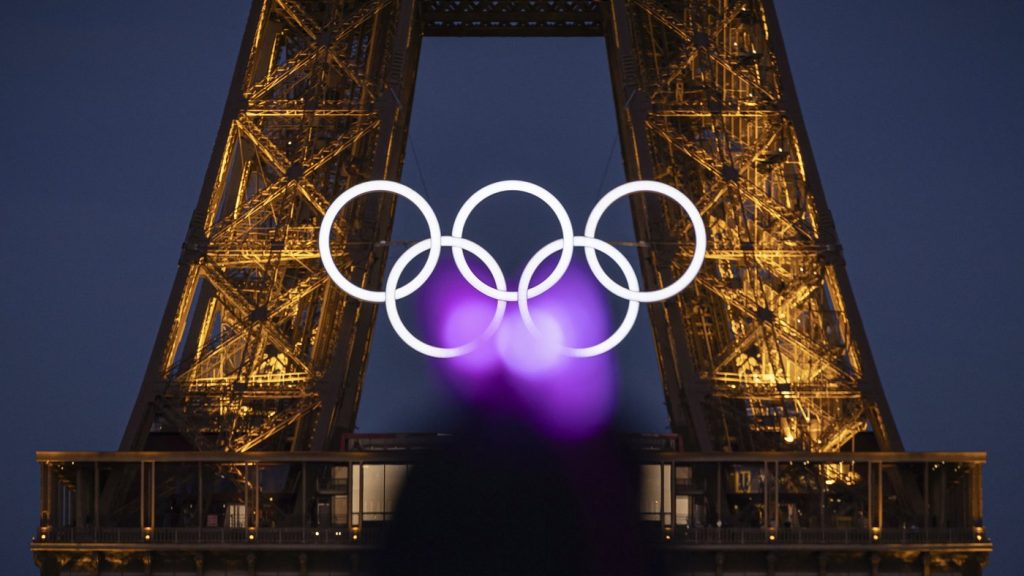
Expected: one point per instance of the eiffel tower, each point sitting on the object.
(239, 456)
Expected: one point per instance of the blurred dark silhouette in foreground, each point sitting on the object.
(504, 500)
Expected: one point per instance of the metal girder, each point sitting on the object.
(763, 351)
(779, 360)
(253, 327)
(511, 18)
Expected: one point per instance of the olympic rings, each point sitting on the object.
(433, 227)
(391, 301)
(700, 244)
(632, 309)
(507, 186)
(393, 292)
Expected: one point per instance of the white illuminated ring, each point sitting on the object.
(392, 296)
(699, 249)
(433, 227)
(510, 186)
(591, 245)
(632, 308)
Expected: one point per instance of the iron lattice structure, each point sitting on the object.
(256, 340)
(258, 349)
(785, 455)
(767, 351)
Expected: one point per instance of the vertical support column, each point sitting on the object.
(943, 486)
(764, 494)
(670, 491)
(200, 507)
(96, 494)
(392, 108)
(976, 512)
(822, 487)
(394, 101)
(870, 479)
(685, 392)
(303, 501)
(351, 496)
(926, 480)
(357, 498)
(45, 500)
(152, 494)
(775, 483)
(880, 495)
(147, 498)
(53, 508)
(142, 496)
(80, 497)
(245, 495)
(633, 103)
(257, 496)
(718, 494)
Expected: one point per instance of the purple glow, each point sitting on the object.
(524, 354)
(453, 313)
(515, 372)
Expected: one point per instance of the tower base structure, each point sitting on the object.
(327, 512)
(237, 457)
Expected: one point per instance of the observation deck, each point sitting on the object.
(870, 512)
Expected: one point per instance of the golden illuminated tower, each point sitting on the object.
(259, 361)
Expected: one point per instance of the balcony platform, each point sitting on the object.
(714, 513)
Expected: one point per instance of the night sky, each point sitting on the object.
(110, 111)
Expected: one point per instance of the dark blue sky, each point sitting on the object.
(111, 109)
